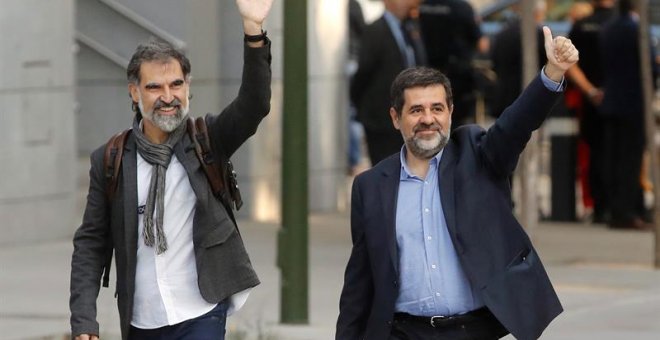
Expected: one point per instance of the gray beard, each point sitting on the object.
(426, 149)
(163, 122)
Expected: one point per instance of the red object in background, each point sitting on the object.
(573, 101)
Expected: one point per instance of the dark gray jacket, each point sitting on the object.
(223, 265)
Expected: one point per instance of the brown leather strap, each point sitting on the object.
(199, 135)
(114, 150)
(223, 168)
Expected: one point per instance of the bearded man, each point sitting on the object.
(181, 263)
(437, 252)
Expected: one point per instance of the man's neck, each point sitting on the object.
(418, 166)
(153, 133)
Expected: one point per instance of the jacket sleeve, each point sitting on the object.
(240, 119)
(89, 251)
(357, 294)
(507, 138)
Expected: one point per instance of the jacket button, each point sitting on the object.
(395, 283)
(389, 323)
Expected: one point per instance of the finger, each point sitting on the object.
(565, 45)
(547, 34)
(570, 57)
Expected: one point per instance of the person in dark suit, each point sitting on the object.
(386, 48)
(451, 33)
(437, 252)
(622, 110)
(181, 263)
(587, 77)
(506, 55)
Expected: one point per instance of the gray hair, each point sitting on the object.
(155, 50)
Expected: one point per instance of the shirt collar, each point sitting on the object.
(391, 18)
(405, 171)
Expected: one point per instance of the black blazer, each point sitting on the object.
(622, 83)
(494, 251)
(223, 265)
(379, 62)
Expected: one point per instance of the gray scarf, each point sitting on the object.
(159, 156)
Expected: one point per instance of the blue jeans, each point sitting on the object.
(355, 134)
(210, 326)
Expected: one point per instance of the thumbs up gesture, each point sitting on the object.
(561, 54)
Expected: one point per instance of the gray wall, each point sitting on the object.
(37, 139)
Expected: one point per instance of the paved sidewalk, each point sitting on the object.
(604, 278)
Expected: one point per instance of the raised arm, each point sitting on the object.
(507, 138)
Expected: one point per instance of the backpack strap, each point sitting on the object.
(200, 137)
(114, 150)
(221, 175)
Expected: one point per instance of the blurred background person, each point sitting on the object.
(573, 103)
(622, 110)
(386, 48)
(356, 25)
(506, 56)
(579, 10)
(450, 29)
(587, 76)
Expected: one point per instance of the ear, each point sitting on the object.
(133, 91)
(395, 118)
(451, 110)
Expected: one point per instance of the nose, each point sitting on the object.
(167, 96)
(427, 117)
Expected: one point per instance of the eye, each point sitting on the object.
(152, 86)
(177, 83)
(415, 110)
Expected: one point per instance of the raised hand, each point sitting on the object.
(561, 54)
(253, 12)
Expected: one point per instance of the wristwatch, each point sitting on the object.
(256, 38)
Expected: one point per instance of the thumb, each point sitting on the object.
(548, 36)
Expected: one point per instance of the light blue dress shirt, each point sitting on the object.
(432, 281)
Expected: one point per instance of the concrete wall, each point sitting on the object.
(37, 139)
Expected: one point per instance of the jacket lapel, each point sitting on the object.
(389, 192)
(185, 152)
(447, 190)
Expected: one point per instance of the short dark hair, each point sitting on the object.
(155, 50)
(417, 77)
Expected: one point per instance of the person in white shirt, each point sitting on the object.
(181, 263)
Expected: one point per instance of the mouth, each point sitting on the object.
(426, 133)
(167, 110)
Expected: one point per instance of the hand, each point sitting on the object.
(253, 12)
(561, 54)
(596, 96)
(87, 337)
